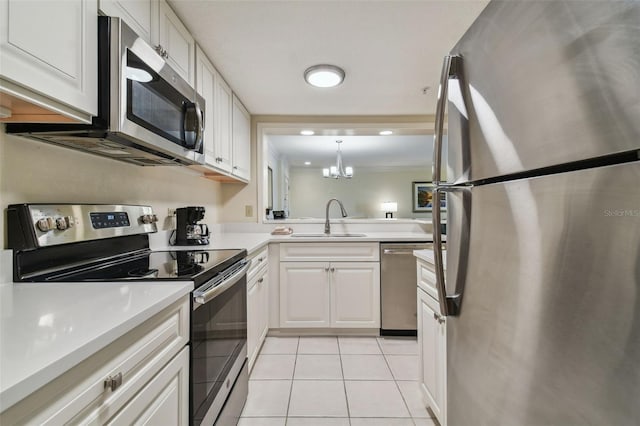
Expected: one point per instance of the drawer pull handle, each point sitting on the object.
(113, 382)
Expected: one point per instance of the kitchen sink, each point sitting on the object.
(327, 235)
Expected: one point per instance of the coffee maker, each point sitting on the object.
(188, 231)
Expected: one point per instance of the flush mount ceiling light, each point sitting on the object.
(386, 132)
(307, 132)
(338, 171)
(324, 75)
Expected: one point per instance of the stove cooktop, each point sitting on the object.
(176, 265)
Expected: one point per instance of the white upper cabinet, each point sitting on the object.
(224, 97)
(48, 56)
(157, 24)
(227, 139)
(140, 15)
(176, 43)
(241, 140)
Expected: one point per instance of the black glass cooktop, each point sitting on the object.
(192, 265)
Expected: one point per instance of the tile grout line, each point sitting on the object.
(344, 382)
(396, 383)
(295, 362)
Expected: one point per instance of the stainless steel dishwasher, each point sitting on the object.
(398, 281)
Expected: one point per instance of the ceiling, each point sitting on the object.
(357, 151)
(390, 51)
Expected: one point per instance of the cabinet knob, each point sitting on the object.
(260, 280)
(333, 269)
(326, 269)
(218, 159)
(113, 382)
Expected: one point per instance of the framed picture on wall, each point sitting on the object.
(423, 197)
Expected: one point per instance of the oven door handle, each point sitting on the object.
(200, 297)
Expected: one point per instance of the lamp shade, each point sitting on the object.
(389, 206)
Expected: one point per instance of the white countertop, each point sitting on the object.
(427, 256)
(47, 328)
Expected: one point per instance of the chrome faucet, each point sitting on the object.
(327, 225)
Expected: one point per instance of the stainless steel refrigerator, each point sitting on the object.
(543, 215)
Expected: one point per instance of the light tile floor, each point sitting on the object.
(336, 381)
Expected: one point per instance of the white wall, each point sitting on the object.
(36, 172)
(361, 195)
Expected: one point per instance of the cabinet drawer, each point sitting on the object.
(258, 261)
(324, 252)
(427, 278)
(164, 400)
(81, 395)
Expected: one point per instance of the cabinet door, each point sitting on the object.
(223, 101)
(304, 294)
(241, 140)
(257, 314)
(432, 349)
(206, 87)
(138, 14)
(254, 300)
(355, 294)
(178, 42)
(164, 400)
(263, 323)
(49, 53)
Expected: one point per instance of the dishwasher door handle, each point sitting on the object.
(398, 251)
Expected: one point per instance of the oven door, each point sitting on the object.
(218, 347)
(150, 102)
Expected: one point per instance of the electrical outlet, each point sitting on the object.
(171, 212)
(248, 211)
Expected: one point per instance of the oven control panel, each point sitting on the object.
(41, 225)
(109, 220)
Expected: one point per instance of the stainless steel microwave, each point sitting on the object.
(147, 113)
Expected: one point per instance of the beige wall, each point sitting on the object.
(235, 197)
(361, 195)
(36, 172)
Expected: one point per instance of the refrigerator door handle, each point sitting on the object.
(450, 66)
(450, 304)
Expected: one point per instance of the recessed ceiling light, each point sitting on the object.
(307, 163)
(386, 133)
(307, 132)
(324, 75)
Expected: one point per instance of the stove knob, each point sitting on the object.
(61, 224)
(149, 218)
(71, 221)
(44, 225)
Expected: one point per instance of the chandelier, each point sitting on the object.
(338, 171)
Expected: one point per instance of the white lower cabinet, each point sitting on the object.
(432, 346)
(304, 294)
(257, 305)
(333, 294)
(164, 400)
(140, 378)
(355, 294)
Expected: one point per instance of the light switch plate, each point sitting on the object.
(248, 211)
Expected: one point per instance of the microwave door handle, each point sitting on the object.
(199, 127)
(193, 112)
